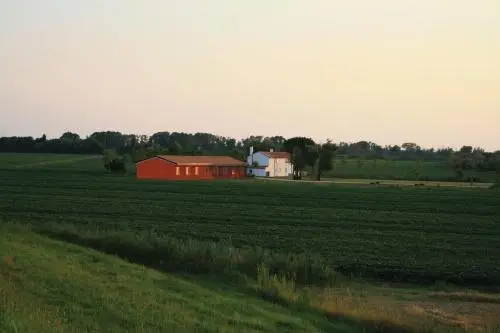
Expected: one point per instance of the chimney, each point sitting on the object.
(251, 155)
(271, 150)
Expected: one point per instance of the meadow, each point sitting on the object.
(360, 168)
(418, 235)
(247, 256)
(51, 286)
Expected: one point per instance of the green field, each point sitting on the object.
(407, 234)
(396, 169)
(352, 244)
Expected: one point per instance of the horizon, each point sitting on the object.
(423, 71)
(239, 139)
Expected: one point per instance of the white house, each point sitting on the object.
(269, 164)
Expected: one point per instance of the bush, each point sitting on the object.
(115, 165)
(198, 257)
(113, 162)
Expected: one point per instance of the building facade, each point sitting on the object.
(269, 164)
(177, 167)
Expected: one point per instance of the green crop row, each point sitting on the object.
(411, 234)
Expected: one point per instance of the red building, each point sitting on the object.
(176, 167)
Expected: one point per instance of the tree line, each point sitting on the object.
(306, 153)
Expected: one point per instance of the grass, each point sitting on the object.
(51, 286)
(8, 160)
(420, 235)
(270, 256)
(351, 168)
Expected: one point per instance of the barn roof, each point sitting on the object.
(202, 160)
(276, 154)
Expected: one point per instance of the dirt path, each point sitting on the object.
(383, 182)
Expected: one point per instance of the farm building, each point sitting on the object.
(269, 164)
(176, 167)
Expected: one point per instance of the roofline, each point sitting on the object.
(149, 158)
(238, 163)
(207, 164)
(265, 153)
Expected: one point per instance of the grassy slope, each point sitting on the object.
(46, 285)
(51, 286)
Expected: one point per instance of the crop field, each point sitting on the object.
(387, 169)
(50, 161)
(390, 233)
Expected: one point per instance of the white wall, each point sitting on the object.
(279, 167)
(258, 158)
(257, 172)
(276, 167)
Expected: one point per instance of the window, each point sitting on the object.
(224, 171)
(177, 171)
(196, 171)
(233, 171)
(187, 171)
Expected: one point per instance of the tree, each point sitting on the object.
(419, 168)
(298, 141)
(324, 155)
(69, 136)
(109, 139)
(410, 146)
(466, 149)
(113, 162)
(477, 159)
(298, 162)
(458, 164)
(302, 156)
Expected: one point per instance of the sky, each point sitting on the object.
(387, 71)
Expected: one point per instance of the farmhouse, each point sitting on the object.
(269, 164)
(176, 167)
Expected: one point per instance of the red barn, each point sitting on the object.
(176, 167)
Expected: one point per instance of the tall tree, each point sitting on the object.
(302, 156)
(298, 162)
(323, 154)
(69, 136)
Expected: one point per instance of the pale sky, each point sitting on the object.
(388, 71)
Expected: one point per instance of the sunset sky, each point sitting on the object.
(388, 71)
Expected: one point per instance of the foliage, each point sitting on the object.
(113, 162)
(468, 158)
(298, 162)
(139, 146)
(299, 148)
(323, 155)
(299, 141)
